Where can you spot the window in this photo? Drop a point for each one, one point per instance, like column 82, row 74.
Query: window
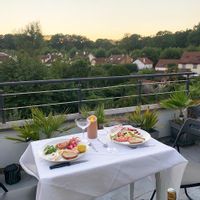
column 195, row 66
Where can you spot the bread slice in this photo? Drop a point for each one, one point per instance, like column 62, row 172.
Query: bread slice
column 136, row 140
column 68, row 155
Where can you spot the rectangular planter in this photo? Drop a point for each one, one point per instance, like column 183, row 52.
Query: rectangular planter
column 185, row 139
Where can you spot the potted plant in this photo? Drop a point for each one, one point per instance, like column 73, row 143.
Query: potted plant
column 178, row 101
column 98, row 112
column 39, row 127
column 145, row 120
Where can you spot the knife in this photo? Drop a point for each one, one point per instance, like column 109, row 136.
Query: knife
column 68, row 163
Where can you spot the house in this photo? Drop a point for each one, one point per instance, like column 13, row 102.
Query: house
column 119, row 59
column 190, row 61
column 49, row 58
column 163, row 64
column 143, row 63
column 113, row 59
column 98, row 61
column 4, row 57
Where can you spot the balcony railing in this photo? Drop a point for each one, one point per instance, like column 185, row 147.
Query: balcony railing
column 78, row 87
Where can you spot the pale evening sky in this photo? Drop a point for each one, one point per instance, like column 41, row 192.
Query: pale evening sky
column 100, row 18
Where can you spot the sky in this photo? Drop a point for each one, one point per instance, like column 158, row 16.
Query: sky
column 110, row 19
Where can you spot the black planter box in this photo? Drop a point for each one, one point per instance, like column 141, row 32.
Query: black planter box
column 185, row 139
column 154, row 133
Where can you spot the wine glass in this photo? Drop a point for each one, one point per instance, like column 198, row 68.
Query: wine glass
column 82, row 123
column 107, row 128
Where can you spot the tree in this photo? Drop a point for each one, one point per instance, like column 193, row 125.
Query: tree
column 30, row 39
column 171, row 53
column 8, row 41
column 194, row 36
column 24, row 68
column 181, row 38
column 129, row 43
column 164, row 39
column 172, row 68
column 132, row 68
column 115, row 51
column 118, row 70
column 56, row 41
column 78, row 68
column 104, row 44
column 100, row 53
column 151, row 53
column 72, row 52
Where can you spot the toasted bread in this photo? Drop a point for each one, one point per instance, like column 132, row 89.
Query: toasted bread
column 69, row 155
column 136, row 140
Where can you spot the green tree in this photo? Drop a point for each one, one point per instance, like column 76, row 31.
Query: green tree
column 171, row 53
column 24, row 68
column 115, row 51
column 129, row 43
column 104, row 44
column 164, row 39
column 30, row 39
column 78, row 68
column 100, row 53
column 194, row 36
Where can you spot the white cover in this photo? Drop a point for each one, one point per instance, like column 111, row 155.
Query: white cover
column 104, row 171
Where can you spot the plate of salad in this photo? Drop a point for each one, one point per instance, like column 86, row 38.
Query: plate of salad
column 63, row 150
column 129, row 136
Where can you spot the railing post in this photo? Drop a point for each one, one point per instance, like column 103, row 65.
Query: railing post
column 79, row 96
column 188, row 84
column 139, row 92
column 2, row 112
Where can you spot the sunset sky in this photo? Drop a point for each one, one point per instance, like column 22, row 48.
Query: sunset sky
column 100, row 18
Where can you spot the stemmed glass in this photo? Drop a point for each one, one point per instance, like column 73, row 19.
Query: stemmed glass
column 82, row 123
column 107, row 127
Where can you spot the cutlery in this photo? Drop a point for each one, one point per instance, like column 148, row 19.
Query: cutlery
column 67, row 163
column 91, row 145
column 104, row 144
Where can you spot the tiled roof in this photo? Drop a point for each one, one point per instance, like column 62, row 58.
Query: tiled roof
column 99, row 61
column 190, row 58
column 162, row 63
column 145, row 60
column 4, row 56
column 119, row 59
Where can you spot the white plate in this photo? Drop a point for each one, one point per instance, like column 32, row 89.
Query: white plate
column 50, row 157
column 143, row 133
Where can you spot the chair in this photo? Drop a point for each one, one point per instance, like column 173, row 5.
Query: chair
column 3, row 187
column 191, row 177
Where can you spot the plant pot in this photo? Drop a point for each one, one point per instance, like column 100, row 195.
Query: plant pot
column 185, row 139
column 154, row 133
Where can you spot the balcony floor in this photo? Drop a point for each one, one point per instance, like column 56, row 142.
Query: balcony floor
column 145, row 187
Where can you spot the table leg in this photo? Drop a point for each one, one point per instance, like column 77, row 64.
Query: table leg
column 169, row 178
column 131, row 191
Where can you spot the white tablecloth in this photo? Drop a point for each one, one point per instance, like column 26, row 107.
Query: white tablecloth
column 104, row 171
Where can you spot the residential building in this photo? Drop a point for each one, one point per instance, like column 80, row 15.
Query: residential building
column 113, row 59
column 49, row 58
column 163, row 64
column 119, row 59
column 190, row 61
column 98, row 61
column 4, row 57
column 143, row 63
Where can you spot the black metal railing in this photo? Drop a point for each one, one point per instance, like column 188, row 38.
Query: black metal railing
column 79, row 86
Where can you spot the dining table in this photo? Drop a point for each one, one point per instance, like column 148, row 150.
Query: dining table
column 104, row 168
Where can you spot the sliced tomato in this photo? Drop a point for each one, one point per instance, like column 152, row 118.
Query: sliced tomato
column 62, row 145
